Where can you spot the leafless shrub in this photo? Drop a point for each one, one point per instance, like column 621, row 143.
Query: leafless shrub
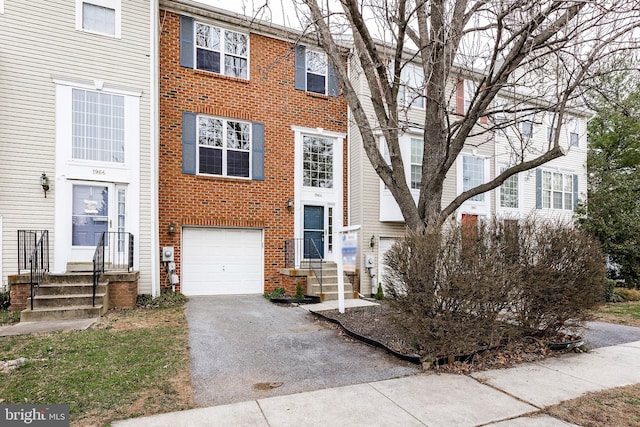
column 479, row 285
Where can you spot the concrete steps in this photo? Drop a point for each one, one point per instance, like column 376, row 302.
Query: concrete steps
column 329, row 283
column 67, row 296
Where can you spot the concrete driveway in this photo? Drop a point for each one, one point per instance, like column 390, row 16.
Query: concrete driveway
column 246, row 348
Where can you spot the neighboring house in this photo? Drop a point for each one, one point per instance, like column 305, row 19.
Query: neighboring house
column 76, row 105
column 252, row 149
column 550, row 191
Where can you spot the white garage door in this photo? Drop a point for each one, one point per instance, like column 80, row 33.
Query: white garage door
column 217, row 261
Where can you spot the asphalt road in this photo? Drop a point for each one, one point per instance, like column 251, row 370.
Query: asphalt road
column 600, row 334
column 244, row 348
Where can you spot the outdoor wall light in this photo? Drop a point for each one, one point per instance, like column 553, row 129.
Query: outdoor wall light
column 172, row 229
column 289, row 204
column 372, row 242
column 44, row 182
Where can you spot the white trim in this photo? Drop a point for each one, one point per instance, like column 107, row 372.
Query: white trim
column 472, row 207
column 326, row 71
column 1, row 12
column 96, row 85
column 70, row 171
column 154, row 153
column 222, row 49
column 225, row 149
column 389, row 210
column 325, row 197
column 509, row 212
column 110, row 4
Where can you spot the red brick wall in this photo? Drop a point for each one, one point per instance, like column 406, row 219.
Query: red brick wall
column 123, row 294
column 268, row 97
column 19, row 293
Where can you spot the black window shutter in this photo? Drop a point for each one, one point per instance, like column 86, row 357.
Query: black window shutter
column 301, row 67
column 257, row 151
column 189, row 143
column 186, row 41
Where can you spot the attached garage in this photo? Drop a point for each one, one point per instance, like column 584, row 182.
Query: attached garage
column 221, row 261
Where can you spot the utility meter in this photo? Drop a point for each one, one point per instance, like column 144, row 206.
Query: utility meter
column 167, row 254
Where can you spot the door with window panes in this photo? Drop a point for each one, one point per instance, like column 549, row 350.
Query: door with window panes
column 97, row 208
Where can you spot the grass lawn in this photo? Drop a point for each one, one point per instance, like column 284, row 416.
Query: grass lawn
column 130, row 363
column 622, row 313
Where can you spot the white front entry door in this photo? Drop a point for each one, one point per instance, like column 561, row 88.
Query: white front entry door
column 96, row 208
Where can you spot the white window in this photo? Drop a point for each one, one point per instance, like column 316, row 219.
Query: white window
column 97, row 126
column 222, row 51
column 317, row 162
column 417, row 148
column 574, row 135
column 99, row 16
column 470, row 88
column 472, row 175
column 316, row 71
column 526, row 129
column 411, row 91
column 509, row 191
column 224, row 147
column 557, row 190
column 501, row 107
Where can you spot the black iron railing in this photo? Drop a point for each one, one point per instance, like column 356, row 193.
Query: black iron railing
column 98, row 264
column 33, row 253
column 304, row 253
column 114, row 252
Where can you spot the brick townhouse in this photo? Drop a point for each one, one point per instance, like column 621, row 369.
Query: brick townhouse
column 252, row 149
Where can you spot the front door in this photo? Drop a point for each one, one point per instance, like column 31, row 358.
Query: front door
column 96, row 208
column 313, row 232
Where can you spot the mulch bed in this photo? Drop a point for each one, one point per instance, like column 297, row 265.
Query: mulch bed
column 375, row 323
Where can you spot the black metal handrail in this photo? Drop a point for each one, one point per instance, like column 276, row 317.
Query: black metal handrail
column 38, row 259
column 27, row 241
column 301, row 253
column 98, row 264
column 114, row 252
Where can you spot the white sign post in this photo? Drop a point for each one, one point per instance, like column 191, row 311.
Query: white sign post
column 348, row 251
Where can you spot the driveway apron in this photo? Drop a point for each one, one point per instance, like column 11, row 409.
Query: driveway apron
column 245, row 348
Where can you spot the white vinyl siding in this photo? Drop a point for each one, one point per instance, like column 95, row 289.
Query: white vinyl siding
column 28, row 102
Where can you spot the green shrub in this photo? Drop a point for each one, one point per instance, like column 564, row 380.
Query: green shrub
column 299, row 292
column 5, row 300
column 276, row 293
column 471, row 286
column 609, row 293
column 379, row 293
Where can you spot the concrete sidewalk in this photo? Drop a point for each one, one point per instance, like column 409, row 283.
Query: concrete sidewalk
column 505, row 397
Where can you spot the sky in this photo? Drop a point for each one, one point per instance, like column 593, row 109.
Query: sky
column 278, row 11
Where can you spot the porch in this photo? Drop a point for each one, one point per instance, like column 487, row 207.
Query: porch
column 85, row 290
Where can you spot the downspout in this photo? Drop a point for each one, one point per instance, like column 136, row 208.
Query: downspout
column 154, row 71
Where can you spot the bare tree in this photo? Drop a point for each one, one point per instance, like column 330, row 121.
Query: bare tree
column 526, row 58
